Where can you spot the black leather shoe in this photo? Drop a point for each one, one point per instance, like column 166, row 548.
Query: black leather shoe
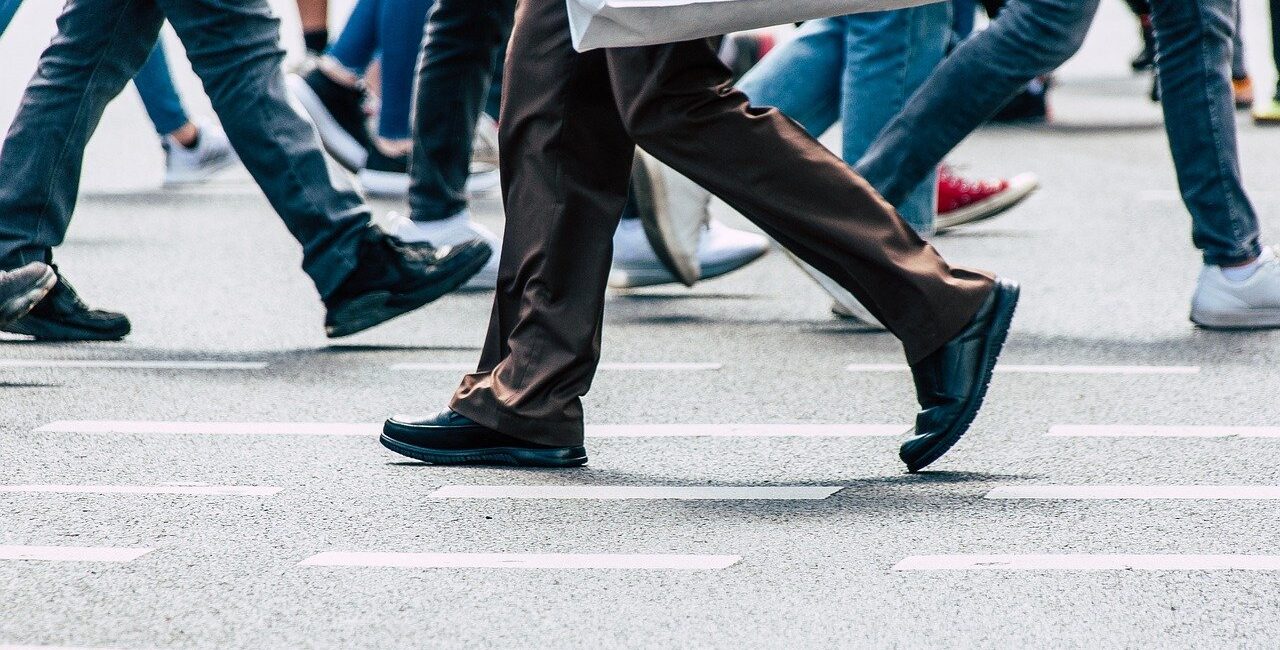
column 62, row 316
column 21, row 289
column 951, row 382
column 448, row 438
column 393, row 278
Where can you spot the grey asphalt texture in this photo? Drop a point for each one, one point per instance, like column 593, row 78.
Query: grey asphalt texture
column 1104, row 256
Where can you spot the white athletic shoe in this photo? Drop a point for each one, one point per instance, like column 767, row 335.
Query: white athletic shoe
column 1254, row 303
column 447, row 232
column 212, row 154
column 721, row 250
column 484, row 158
column 675, row 212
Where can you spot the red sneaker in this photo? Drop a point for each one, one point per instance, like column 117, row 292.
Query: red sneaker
column 962, row 201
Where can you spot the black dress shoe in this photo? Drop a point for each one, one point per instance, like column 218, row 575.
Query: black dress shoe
column 392, row 278
column 62, row 316
column 951, row 382
column 448, row 438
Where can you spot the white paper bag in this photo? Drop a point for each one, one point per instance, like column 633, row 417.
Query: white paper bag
column 629, row 23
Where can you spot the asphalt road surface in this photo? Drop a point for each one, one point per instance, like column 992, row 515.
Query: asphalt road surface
column 214, row 481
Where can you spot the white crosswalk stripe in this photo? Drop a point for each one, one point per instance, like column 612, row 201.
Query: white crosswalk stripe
column 1150, row 431
column 374, row 429
column 197, row 490
column 522, row 561
column 132, row 364
column 1131, row 492
column 632, row 492
column 1045, row 369
column 1082, row 562
column 635, row 366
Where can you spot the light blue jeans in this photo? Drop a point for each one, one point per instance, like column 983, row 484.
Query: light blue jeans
column 1033, row 37
column 858, row 70
column 154, row 83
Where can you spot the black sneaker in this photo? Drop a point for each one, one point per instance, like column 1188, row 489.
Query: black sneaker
column 338, row 113
column 392, row 278
column 62, row 316
column 1031, row 106
column 385, row 176
column 21, row 289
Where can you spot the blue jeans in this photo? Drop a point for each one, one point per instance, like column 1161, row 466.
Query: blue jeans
column 159, row 97
column 1033, row 37
column 234, row 47
column 392, row 28
column 858, row 70
column 153, row 81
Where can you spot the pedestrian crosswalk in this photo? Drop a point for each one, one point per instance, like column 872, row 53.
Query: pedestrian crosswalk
column 611, row 492
column 657, row 366
column 1136, row 492
column 522, row 560
column 1042, row 369
column 1161, row 431
column 603, row 559
column 195, row 490
column 149, row 427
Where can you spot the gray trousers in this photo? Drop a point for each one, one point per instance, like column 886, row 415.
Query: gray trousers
column 234, row 48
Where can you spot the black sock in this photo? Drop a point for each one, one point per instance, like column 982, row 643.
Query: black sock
column 317, row 40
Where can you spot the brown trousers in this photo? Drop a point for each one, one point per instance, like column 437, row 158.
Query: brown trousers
column 570, row 124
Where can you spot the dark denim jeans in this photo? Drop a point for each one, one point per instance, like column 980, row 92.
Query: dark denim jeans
column 234, row 48
column 1033, row 37
column 154, row 83
column 463, row 44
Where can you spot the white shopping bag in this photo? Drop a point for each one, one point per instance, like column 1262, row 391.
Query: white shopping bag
column 629, row 23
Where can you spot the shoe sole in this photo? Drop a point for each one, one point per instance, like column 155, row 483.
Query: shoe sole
column 1254, row 319
column 376, row 308
column 199, row 176
column 344, row 148
column 658, row 226
column 510, row 456
column 991, row 207
column 659, row 275
column 1007, row 304
column 839, row 295
column 18, row 306
column 384, row 185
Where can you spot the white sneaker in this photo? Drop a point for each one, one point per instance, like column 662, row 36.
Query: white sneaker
column 484, row 158
column 675, row 212
column 721, row 250
column 212, row 154
column 447, row 232
column 844, row 304
column 1254, row 303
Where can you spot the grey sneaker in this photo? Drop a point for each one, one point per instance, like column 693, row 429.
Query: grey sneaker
column 22, row 288
column 1254, row 303
column 212, row 154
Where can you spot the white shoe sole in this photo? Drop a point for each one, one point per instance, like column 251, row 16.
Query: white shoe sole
column 1020, row 187
column 1248, row 319
column 384, row 185
column 657, row 274
column 845, row 300
column 196, row 176
column 344, row 148
column 653, row 200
